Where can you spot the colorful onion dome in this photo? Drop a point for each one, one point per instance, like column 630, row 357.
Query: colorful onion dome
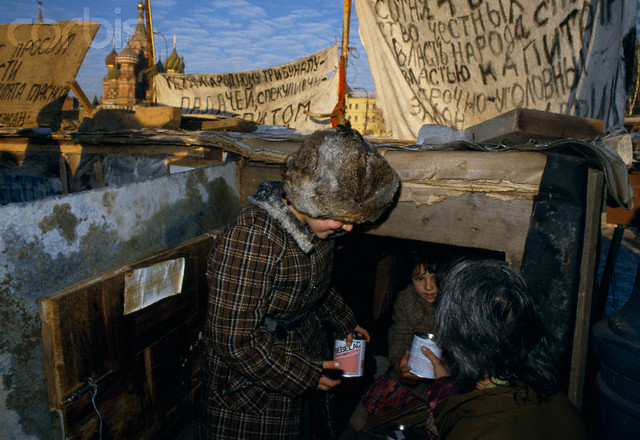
column 110, row 60
column 127, row 56
column 172, row 63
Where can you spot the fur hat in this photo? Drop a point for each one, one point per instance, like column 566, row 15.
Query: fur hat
column 337, row 175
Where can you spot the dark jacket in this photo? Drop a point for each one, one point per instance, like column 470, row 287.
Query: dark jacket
column 266, row 264
column 493, row 413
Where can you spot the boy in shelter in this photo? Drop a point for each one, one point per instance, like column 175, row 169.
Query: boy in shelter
column 413, row 312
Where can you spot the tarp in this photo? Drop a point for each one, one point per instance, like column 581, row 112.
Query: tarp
column 282, row 95
column 38, row 64
column 461, row 62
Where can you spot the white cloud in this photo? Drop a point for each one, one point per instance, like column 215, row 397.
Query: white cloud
column 162, row 4
column 239, row 9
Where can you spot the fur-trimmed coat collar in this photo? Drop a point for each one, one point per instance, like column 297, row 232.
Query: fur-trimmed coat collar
column 269, row 196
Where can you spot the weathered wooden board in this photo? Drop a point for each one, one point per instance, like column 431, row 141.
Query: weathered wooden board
column 472, row 220
column 38, row 64
column 523, row 125
column 252, row 174
column 213, row 123
column 585, row 294
column 145, row 364
column 465, row 198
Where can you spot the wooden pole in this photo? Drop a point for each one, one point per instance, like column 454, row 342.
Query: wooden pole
column 82, row 97
column 338, row 112
column 593, row 208
column 151, row 47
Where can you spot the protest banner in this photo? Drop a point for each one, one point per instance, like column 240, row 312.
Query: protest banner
column 38, row 64
column 461, row 62
column 288, row 95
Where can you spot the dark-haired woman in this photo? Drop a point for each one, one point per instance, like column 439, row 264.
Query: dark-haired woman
column 499, row 381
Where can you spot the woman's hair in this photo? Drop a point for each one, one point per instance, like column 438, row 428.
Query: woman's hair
column 488, row 325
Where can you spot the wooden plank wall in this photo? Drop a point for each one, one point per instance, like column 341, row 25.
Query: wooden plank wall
column 472, row 220
column 145, row 365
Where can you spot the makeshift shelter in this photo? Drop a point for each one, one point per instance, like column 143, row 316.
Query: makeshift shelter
column 73, row 262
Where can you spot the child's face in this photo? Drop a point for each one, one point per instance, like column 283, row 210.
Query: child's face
column 425, row 283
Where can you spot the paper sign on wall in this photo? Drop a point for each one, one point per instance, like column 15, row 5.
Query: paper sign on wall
column 146, row 286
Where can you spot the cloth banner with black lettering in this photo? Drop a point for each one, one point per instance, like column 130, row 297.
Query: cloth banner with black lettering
column 38, row 64
column 461, row 62
column 297, row 95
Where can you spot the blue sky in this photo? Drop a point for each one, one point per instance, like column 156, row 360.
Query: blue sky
column 214, row 36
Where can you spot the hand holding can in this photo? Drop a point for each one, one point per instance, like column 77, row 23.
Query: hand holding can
column 351, row 357
column 420, row 365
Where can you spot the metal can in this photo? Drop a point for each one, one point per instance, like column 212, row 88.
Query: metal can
column 400, row 432
column 351, row 357
column 421, row 365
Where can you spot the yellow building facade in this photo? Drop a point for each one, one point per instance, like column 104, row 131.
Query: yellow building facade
column 364, row 115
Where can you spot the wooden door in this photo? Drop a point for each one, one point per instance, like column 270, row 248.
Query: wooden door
column 141, row 369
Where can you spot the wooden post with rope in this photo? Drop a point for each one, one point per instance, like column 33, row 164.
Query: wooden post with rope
column 337, row 116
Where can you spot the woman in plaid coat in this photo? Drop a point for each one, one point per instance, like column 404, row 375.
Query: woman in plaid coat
column 270, row 297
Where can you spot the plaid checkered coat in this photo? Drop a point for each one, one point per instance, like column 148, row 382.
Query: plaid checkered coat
column 266, row 264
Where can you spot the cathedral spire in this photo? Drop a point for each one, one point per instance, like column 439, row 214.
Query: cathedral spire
column 140, row 33
column 39, row 19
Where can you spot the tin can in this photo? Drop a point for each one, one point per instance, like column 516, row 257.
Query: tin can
column 400, row 432
column 351, row 357
column 421, row 365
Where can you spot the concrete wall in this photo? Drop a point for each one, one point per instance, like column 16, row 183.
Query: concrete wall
column 56, row 242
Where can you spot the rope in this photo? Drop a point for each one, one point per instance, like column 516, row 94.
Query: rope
column 93, row 391
column 63, row 436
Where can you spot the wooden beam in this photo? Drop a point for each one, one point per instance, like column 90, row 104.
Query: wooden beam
column 382, row 284
column 82, row 97
column 339, row 110
column 472, row 220
column 151, row 46
column 595, row 184
column 100, row 145
column 98, row 172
